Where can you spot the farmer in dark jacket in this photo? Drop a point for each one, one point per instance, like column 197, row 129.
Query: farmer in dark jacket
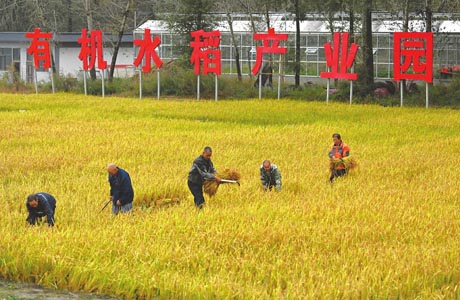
column 40, row 205
column 121, row 189
column 202, row 168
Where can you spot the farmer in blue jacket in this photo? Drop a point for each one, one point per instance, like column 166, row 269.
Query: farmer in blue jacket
column 40, row 205
column 121, row 189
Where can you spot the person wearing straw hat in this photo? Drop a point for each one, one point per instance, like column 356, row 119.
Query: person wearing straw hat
column 121, row 189
column 202, row 168
column 40, row 205
column 270, row 176
column 339, row 151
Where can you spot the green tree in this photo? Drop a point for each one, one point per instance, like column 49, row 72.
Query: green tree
column 112, row 18
column 366, row 76
column 299, row 9
column 188, row 16
column 228, row 7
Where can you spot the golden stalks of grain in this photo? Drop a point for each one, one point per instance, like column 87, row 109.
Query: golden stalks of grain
column 210, row 186
column 388, row 232
column 349, row 162
column 157, row 201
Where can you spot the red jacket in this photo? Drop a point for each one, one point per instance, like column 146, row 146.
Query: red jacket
column 339, row 151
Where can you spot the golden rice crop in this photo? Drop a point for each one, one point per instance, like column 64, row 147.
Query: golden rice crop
column 210, row 186
column 389, row 231
column 348, row 162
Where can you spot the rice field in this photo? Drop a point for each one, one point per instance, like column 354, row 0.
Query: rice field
column 389, row 230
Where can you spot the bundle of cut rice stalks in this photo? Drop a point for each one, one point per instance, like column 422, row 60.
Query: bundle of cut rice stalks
column 210, row 186
column 349, row 162
column 153, row 200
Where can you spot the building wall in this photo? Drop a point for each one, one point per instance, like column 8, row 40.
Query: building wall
column 66, row 61
column 71, row 65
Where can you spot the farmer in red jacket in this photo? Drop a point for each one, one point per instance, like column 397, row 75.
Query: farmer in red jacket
column 338, row 152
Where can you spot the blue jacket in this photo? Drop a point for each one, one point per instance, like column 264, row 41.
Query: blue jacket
column 121, row 187
column 202, row 169
column 46, row 207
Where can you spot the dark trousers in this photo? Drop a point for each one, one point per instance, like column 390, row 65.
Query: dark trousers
column 337, row 173
column 197, row 192
column 270, row 186
column 37, row 217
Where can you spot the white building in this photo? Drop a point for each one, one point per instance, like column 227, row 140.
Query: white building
column 314, row 33
column 65, row 50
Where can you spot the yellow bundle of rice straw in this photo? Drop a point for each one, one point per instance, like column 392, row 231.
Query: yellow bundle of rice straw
column 349, row 162
column 210, row 186
column 152, row 200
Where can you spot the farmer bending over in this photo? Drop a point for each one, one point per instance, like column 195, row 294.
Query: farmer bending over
column 270, row 176
column 121, row 189
column 202, row 168
column 338, row 152
column 40, row 205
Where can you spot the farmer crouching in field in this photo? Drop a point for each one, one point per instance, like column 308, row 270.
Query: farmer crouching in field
column 40, row 205
column 121, row 189
column 339, row 151
column 202, row 168
column 270, row 176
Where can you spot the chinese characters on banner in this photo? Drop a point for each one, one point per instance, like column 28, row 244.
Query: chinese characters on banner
column 270, row 42
column 340, row 56
column 413, row 56
column 147, row 50
column 40, row 48
column 413, row 52
column 206, row 49
column 91, row 48
column 339, row 59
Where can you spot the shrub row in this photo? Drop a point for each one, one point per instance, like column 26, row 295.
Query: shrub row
column 178, row 80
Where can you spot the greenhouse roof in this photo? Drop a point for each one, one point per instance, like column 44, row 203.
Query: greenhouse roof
column 317, row 26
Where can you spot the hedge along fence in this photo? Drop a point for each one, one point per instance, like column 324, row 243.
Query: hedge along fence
column 178, row 80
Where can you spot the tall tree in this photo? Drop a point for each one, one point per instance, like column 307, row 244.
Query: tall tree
column 298, row 17
column 120, row 30
column 89, row 23
column 367, row 76
column 188, row 16
column 429, row 15
column 300, row 10
column 114, row 18
column 350, row 8
column 227, row 7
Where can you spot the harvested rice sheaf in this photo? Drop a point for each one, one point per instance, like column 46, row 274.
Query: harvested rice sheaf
column 210, row 186
column 349, row 162
column 152, row 200
column 230, row 174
